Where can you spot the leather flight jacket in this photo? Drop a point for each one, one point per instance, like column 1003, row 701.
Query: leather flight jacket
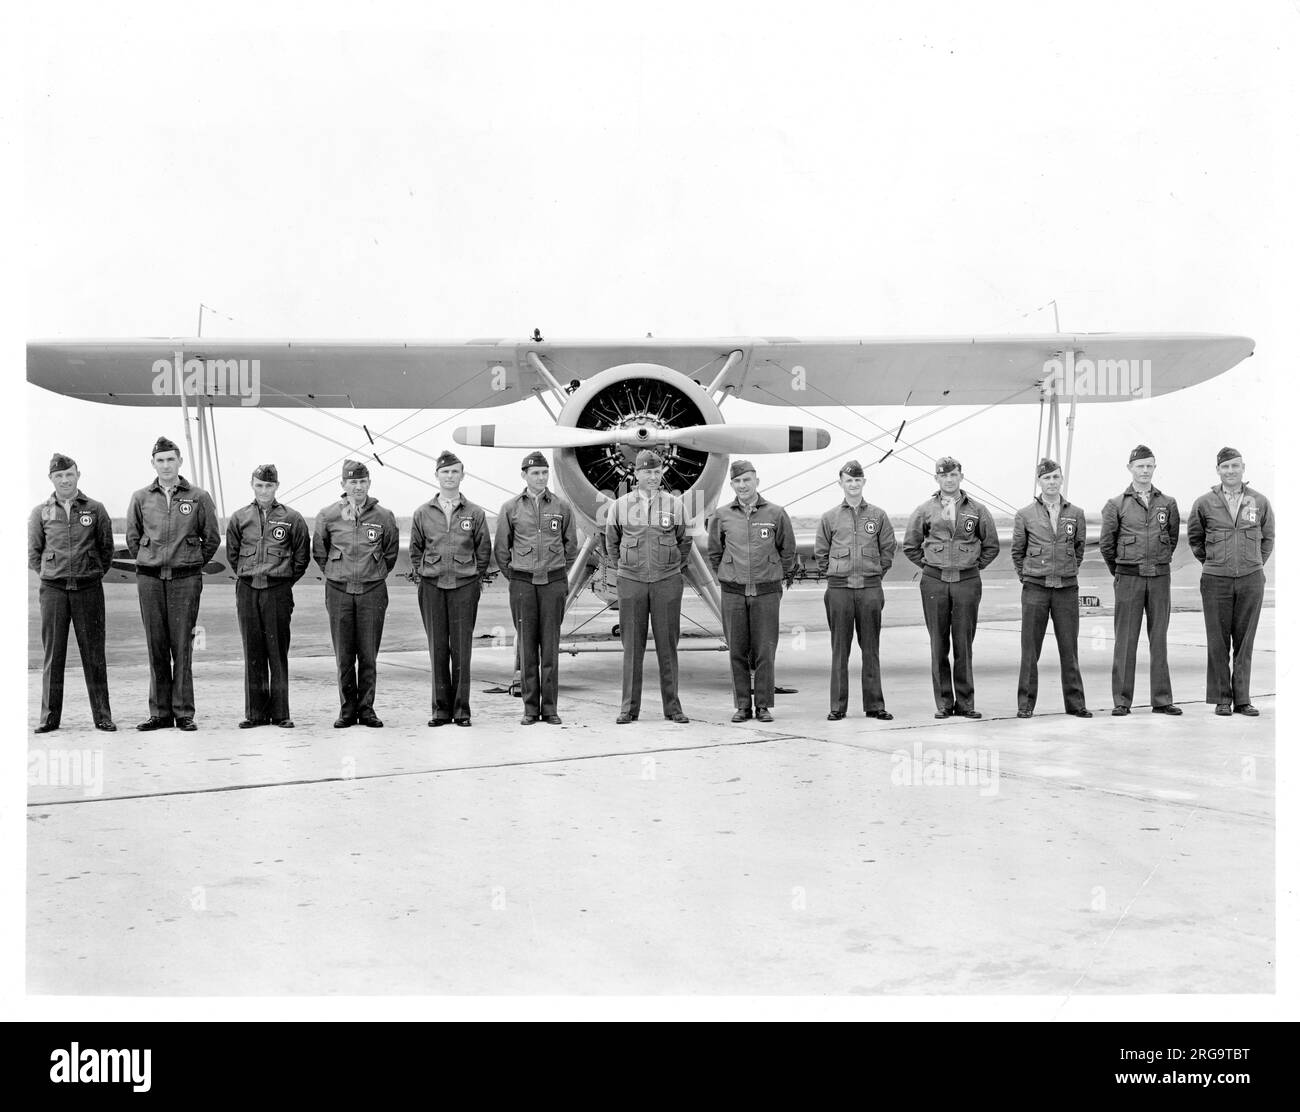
column 536, row 540
column 1231, row 546
column 355, row 548
column 171, row 538
column 854, row 547
column 70, row 550
column 450, row 553
column 1048, row 557
column 951, row 552
column 648, row 535
column 751, row 551
column 264, row 551
column 1138, row 539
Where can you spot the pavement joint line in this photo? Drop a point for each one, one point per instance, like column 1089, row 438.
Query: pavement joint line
column 407, row 772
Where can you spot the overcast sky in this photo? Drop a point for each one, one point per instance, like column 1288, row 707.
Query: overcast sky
column 714, row 170
column 691, row 170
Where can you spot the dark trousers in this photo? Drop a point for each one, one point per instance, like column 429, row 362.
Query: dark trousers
column 263, row 615
column 449, row 614
column 84, row 609
column 1231, row 608
column 1136, row 595
column 538, row 612
column 356, row 629
column 850, row 611
column 169, row 608
column 751, row 625
column 951, row 614
column 656, row 606
column 1037, row 603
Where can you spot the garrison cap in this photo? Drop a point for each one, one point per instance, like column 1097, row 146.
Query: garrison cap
column 1047, row 466
column 648, row 457
column 60, row 462
column 162, row 444
column 944, row 464
column 533, row 459
column 1141, row 452
column 446, row 459
column 266, row 473
column 853, row 469
column 355, row 469
column 1226, row 454
column 739, row 467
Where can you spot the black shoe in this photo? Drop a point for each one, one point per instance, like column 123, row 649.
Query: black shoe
column 436, row 722
column 1247, row 709
column 743, row 714
column 283, row 723
column 763, row 714
column 50, row 727
column 1224, row 709
column 1082, row 712
column 186, row 724
column 943, row 714
column 624, row 719
column 106, row 724
column 679, row 718
column 253, row 723
column 1168, row 708
column 551, row 719
column 883, row 715
column 156, row 722
column 527, row 720
column 968, row 714
column 835, row 716
column 343, row 722
column 461, row 721
column 371, row 720
column 1119, row 712
column 1024, row 714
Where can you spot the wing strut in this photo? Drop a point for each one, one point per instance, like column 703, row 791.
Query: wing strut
column 1050, row 392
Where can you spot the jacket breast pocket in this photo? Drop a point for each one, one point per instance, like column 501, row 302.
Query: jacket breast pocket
column 665, row 552
column 628, row 548
column 1250, row 546
column 841, row 562
column 1216, row 546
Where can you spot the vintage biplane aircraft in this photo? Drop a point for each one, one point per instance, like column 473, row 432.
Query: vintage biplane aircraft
column 606, row 399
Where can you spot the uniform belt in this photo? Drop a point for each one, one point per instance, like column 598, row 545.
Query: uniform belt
column 177, row 573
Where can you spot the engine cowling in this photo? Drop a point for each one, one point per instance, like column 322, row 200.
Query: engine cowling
column 643, row 399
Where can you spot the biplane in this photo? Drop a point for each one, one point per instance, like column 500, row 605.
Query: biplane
column 604, row 400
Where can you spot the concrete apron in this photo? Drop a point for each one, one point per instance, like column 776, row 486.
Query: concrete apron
column 1048, row 856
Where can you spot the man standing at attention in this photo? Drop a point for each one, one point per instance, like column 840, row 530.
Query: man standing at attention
column 645, row 530
column 269, row 548
column 70, row 546
column 951, row 538
column 450, row 549
column 1231, row 533
column 753, row 552
column 536, row 545
column 171, row 532
column 854, row 549
column 1047, row 546
column 1139, row 532
column 355, row 545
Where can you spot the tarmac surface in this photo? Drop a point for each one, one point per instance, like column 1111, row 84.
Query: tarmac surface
column 1001, row 856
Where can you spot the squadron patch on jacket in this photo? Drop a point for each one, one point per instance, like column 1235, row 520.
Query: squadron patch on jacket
column 1162, row 517
column 279, row 533
column 970, row 525
column 665, row 521
column 764, row 533
column 871, row 526
column 1069, row 528
column 86, row 520
column 186, row 508
column 466, row 525
column 372, row 532
column 555, row 525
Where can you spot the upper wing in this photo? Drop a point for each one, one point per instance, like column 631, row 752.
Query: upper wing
column 379, row 374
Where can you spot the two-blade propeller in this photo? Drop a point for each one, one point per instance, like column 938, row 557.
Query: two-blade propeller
column 748, row 439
